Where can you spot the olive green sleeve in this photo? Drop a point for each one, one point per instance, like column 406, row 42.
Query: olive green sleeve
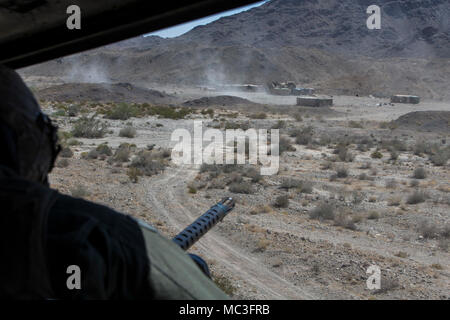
column 173, row 274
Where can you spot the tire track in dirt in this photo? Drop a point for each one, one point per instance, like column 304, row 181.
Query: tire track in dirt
column 167, row 196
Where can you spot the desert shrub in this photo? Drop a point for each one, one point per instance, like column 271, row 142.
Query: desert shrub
column 306, row 187
column 342, row 172
column 260, row 209
column 376, row 155
column 134, row 174
column 89, row 127
column 416, row 197
column 357, row 197
column 261, row 115
column 73, row 110
column 333, row 177
column 59, row 113
column 66, row 153
column 122, row 153
column 428, row 230
column 322, row 212
column 285, row 144
column 148, row 163
column 93, row 154
column 394, row 201
column 73, row 142
column 243, row 187
column 391, row 183
column 343, row 220
column 327, row 165
column 419, row 173
column 290, row 183
column 104, row 149
column 217, row 184
column 445, row 233
column 192, row 189
column 281, row 201
column 62, row 163
column 79, row 191
column 343, row 153
column 224, row 284
column 373, row 215
column 363, row 176
column 122, row 111
column 394, row 145
column 440, row 158
column 169, row 112
column 281, row 124
column 298, row 116
column 235, row 177
column 355, row 124
column 444, row 244
column 231, row 125
column 128, row 132
column 414, row 183
column 303, row 136
column 208, row 112
column 253, row 174
column 393, row 155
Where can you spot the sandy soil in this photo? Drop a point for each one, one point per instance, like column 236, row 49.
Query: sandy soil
column 283, row 253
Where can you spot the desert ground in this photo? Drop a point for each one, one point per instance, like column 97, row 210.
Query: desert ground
column 356, row 187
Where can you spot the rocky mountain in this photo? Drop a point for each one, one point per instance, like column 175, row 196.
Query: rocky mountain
column 321, row 43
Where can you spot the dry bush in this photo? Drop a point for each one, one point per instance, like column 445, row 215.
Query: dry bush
column 128, row 132
column 391, row 184
column 303, row 136
column 342, row 220
column 103, row 149
column 281, row 201
column 376, row 155
column 66, row 153
column 394, row 201
column 428, row 230
column 122, row 111
column 262, row 245
column 285, row 144
column 417, row 197
column 414, row 183
column 261, row 115
column 441, row 157
column 149, row 163
column 243, row 187
column 343, row 153
column 373, row 215
column 225, row 284
column 357, row 197
column 342, row 172
column 322, row 212
column 260, row 209
column 134, row 174
column 86, row 127
column 419, row 173
column 62, row 163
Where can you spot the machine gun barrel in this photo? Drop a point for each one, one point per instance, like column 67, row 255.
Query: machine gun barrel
column 186, row 238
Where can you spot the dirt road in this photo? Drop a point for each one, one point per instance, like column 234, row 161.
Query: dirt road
column 168, row 199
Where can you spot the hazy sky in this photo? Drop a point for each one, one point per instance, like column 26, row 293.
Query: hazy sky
column 185, row 27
